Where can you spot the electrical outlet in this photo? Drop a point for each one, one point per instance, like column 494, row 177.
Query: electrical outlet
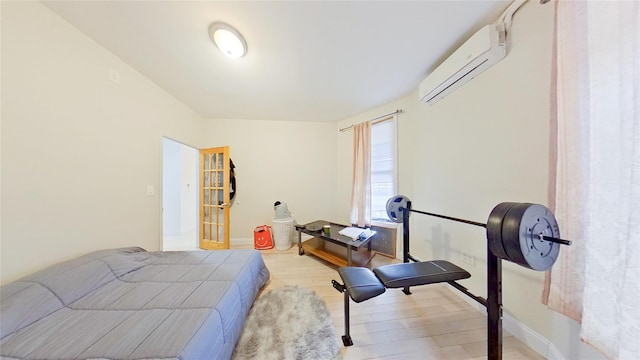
column 114, row 76
column 468, row 259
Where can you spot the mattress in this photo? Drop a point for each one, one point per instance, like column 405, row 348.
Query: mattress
column 132, row 304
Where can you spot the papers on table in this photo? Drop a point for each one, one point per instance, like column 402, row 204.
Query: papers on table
column 355, row 233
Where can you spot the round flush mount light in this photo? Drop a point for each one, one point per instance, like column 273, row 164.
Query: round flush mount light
column 228, row 40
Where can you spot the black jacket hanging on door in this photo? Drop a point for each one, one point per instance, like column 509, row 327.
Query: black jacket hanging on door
column 232, row 188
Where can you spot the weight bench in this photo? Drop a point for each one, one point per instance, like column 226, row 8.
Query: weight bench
column 361, row 283
column 536, row 248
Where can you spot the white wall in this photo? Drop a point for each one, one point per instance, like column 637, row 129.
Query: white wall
column 291, row 162
column 486, row 143
column 78, row 150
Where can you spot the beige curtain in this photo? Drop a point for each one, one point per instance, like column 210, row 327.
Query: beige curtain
column 361, row 187
column 565, row 286
column 597, row 186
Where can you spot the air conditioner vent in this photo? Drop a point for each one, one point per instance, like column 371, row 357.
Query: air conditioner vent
column 481, row 51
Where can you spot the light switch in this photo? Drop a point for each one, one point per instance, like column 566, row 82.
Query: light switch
column 151, row 190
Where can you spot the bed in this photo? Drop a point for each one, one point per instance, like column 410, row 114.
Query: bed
column 132, row 304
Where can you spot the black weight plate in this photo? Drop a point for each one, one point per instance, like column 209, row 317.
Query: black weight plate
column 494, row 229
column 521, row 228
column 542, row 254
column 511, row 233
column 396, row 206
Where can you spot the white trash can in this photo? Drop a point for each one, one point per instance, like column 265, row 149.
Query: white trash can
column 282, row 233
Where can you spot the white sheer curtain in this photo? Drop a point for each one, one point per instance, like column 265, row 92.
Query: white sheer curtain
column 361, row 187
column 597, row 280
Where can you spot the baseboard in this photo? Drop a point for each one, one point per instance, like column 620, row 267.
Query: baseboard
column 249, row 241
column 241, row 241
column 554, row 353
column 532, row 339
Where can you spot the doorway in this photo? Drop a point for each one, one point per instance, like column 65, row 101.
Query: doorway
column 180, row 194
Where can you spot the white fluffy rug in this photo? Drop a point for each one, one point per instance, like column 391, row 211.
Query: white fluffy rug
column 288, row 323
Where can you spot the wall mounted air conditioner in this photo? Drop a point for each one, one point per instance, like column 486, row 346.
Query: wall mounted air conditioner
column 485, row 48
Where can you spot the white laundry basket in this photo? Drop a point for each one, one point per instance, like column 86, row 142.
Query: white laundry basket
column 282, row 233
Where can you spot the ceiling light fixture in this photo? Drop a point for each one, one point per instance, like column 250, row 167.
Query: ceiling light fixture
column 228, row 40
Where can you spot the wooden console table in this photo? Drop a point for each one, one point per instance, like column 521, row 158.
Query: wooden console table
column 324, row 246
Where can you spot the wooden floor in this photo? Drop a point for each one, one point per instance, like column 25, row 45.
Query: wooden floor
column 432, row 323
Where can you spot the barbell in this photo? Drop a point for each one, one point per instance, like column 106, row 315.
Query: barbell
column 524, row 233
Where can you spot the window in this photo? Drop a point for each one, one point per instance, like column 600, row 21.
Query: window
column 383, row 167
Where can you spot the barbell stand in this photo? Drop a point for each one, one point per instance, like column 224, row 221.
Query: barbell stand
column 493, row 303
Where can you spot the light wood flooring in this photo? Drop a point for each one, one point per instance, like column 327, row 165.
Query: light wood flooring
column 432, row 323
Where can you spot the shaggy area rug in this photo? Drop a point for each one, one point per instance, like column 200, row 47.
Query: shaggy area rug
column 290, row 322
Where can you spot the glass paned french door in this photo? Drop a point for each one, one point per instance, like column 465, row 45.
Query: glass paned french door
column 214, row 198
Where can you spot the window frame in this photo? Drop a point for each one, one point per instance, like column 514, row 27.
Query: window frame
column 394, row 119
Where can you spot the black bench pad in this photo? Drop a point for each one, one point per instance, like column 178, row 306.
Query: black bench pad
column 360, row 283
column 419, row 273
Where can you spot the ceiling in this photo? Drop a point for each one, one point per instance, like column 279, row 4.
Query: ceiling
column 306, row 61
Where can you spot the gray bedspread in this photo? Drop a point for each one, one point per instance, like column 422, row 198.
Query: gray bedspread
column 132, row 304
